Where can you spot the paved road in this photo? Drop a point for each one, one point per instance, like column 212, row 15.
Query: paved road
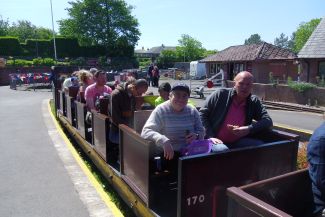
column 34, row 180
column 301, row 120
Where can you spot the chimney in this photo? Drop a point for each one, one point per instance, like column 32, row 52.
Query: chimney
column 142, row 48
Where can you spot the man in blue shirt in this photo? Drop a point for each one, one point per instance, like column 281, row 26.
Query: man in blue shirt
column 316, row 159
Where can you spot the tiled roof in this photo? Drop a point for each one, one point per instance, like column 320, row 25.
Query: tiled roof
column 261, row 51
column 315, row 46
column 155, row 50
column 161, row 48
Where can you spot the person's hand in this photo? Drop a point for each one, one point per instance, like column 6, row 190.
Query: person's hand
column 168, row 151
column 216, row 140
column 190, row 138
column 240, row 131
column 231, row 127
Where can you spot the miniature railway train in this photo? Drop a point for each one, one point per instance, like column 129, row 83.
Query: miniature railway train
column 188, row 186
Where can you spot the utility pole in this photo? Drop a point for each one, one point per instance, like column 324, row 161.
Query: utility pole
column 54, row 45
column 36, row 43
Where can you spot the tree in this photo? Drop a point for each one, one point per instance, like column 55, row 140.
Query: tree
column 209, row 52
column 189, row 49
column 291, row 42
column 282, row 41
column 43, row 33
column 100, row 22
column 23, row 30
column 4, row 25
column 253, row 39
column 167, row 58
column 303, row 32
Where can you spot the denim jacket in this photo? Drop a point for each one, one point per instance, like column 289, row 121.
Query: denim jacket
column 316, row 159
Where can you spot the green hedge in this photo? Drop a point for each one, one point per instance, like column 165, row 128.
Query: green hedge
column 121, row 53
column 42, row 47
column 9, row 46
column 92, row 51
column 66, row 47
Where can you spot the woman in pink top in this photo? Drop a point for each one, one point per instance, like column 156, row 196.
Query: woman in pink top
column 97, row 89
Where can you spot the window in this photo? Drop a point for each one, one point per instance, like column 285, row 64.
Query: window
column 321, row 70
column 238, row 67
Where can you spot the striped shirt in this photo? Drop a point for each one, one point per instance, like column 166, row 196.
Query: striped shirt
column 164, row 124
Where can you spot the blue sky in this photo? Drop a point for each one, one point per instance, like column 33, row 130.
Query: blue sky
column 217, row 24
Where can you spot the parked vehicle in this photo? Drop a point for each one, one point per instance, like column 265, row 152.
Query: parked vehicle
column 197, row 70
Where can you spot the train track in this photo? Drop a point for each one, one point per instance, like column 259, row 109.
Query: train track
column 290, row 107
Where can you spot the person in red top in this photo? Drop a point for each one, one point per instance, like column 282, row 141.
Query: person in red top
column 97, row 89
column 155, row 76
column 228, row 115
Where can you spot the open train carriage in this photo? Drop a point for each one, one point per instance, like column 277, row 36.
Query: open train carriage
column 199, row 189
column 286, row 195
column 82, row 126
column 71, row 106
column 62, row 103
column 203, row 180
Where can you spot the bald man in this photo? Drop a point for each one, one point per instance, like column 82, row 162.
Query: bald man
column 228, row 115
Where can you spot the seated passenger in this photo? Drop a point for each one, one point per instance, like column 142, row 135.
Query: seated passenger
column 173, row 124
column 316, row 160
column 86, row 79
column 70, row 82
column 124, row 104
column 227, row 115
column 94, row 91
column 164, row 90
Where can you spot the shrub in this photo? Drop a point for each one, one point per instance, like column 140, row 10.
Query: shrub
column 301, row 87
column 48, row 62
column 37, row 61
column 144, row 62
column 80, row 61
column 19, row 62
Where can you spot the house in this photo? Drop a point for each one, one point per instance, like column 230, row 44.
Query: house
column 260, row 59
column 153, row 52
column 312, row 55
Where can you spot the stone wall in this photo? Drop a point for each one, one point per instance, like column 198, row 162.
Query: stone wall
column 283, row 93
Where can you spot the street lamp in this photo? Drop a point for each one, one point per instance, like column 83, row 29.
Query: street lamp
column 55, row 57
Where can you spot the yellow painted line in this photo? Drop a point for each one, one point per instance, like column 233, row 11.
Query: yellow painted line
column 293, row 129
column 108, row 201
